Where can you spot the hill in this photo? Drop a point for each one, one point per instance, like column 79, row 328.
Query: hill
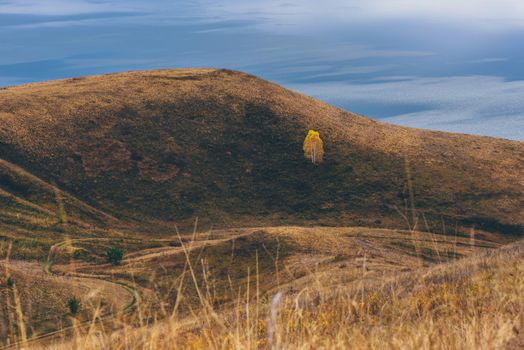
column 170, row 145
column 114, row 161
column 370, row 292
column 181, row 277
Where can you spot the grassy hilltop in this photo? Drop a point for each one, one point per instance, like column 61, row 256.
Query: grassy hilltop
column 227, row 147
column 401, row 238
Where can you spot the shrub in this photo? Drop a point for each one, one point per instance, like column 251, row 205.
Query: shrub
column 9, row 281
column 74, row 305
column 114, row 255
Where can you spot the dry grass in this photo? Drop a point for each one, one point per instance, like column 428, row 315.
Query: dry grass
column 227, row 146
column 473, row 303
column 36, row 302
column 113, row 160
column 327, row 288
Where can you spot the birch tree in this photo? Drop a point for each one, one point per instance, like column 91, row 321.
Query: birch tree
column 313, row 147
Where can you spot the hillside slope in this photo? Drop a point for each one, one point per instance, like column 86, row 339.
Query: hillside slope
column 227, row 147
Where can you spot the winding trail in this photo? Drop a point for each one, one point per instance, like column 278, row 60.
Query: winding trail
column 135, row 297
column 134, row 293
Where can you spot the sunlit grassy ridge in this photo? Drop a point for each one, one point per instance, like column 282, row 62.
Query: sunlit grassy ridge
column 206, row 284
column 473, row 303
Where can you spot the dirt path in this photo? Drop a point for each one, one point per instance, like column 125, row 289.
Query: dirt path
column 122, row 296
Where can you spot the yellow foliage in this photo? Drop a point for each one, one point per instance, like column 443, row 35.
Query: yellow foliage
column 313, row 147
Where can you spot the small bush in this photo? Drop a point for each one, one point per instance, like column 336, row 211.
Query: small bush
column 114, row 255
column 74, row 305
column 9, row 281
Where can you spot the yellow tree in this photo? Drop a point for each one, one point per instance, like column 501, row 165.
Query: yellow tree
column 313, row 147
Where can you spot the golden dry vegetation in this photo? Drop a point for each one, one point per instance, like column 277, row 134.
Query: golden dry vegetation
column 400, row 238
column 470, row 303
column 227, row 147
column 204, row 289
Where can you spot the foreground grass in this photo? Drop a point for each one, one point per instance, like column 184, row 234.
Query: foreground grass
column 473, row 303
